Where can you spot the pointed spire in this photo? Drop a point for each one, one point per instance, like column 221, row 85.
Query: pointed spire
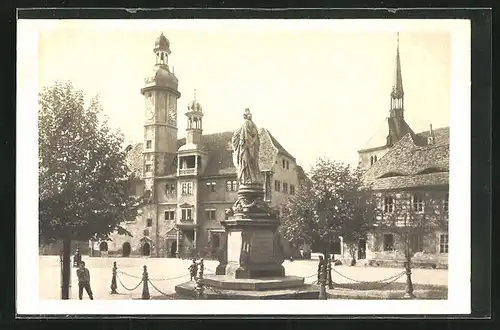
column 397, row 87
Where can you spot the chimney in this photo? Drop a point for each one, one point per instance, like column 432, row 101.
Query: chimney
column 430, row 138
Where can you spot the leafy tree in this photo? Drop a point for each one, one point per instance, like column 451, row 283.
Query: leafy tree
column 330, row 203
column 84, row 180
column 410, row 220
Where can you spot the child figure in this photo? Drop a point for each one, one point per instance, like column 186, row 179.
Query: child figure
column 83, row 281
column 193, row 269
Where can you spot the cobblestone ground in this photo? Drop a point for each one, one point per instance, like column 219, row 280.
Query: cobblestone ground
column 165, row 274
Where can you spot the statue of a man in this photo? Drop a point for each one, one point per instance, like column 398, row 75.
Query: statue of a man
column 246, row 145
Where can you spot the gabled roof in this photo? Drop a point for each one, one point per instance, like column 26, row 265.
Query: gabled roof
column 220, row 154
column 392, row 129
column 409, row 160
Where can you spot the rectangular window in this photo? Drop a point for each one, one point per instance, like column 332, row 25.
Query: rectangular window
column 285, row 187
column 211, row 186
column 210, row 214
column 388, row 204
column 277, row 185
column 170, row 189
column 187, row 188
column 148, row 157
column 445, row 205
column 287, row 165
column 186, row 214
column 149, row 222
column 292, row 189
column 418, row 203
column 169, row 215
column 148, row 144
column 443, row 243
column 148, row 168
column 232, row 185
column 284, row 163
column 388, row 242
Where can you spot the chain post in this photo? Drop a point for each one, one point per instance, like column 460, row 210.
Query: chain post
column 145, row 280
column 200, row 289
column 329, row 272
column 113, row 279
column 322, row 281
column 409, row 285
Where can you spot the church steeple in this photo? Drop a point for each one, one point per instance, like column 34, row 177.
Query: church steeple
column 397, row 93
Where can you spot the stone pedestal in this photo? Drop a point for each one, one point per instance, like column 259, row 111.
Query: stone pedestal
column 252, row 267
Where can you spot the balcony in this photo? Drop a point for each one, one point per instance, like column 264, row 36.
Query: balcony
column 187, row 171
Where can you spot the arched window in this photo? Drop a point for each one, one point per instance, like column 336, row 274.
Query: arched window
column 374, row 159
column 371, row 160
column 103, row 246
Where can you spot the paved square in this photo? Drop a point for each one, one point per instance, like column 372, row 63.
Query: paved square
column 165, row 274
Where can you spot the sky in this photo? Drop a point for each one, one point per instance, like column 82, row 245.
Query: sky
column 321, row 88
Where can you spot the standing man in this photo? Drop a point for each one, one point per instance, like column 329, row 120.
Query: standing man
column 320, row 263
column 83, row 281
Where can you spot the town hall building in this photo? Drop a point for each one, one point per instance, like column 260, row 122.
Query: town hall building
column 188, row 181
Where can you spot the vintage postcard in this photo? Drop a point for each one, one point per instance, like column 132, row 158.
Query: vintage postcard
column 318, row 166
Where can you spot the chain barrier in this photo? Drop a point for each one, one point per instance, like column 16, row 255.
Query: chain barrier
column 154, row 279
column 398, row 275
column 161, row 292
column 123, row 285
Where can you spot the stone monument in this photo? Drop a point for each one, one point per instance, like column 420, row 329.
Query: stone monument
column 252, row 266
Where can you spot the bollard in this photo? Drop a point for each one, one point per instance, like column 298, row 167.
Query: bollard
column 145, row 288
column 113, row 279
column 322, row 282
column 200, row 289
column 409, row 285
column 329, row 270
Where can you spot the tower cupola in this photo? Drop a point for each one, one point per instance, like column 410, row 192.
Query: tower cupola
column 162, row 50
column 194, row 127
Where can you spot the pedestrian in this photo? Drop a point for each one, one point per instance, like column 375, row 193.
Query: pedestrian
column 320, row 263
column 193, row 269
column 84, row 281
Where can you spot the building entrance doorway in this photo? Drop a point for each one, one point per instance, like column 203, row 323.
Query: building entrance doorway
column 103, row 247
column 126, row 249
column 173, row 249
column 146, row 249
column 362, row 248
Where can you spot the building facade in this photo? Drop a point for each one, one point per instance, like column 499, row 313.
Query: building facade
column 188, row 182
column 408, row 174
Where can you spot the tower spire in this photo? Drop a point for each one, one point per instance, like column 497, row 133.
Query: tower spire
column 397, row 93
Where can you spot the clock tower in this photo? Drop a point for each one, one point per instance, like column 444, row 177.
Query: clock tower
column 160, row 125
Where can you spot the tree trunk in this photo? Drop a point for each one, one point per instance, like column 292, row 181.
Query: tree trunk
column 66, row 269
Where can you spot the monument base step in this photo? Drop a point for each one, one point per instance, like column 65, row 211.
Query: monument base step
column 254, row 284
column 302, row 292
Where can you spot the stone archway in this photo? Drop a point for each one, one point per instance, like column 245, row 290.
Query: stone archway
column 126, row 249
column 146, row 249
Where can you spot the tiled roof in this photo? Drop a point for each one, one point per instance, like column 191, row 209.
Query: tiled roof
column 279, row 146
column 441, row 136
column 409, row 162
column 220, row 154
column 411, row 181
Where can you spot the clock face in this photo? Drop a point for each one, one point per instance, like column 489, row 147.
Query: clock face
column 150, row 113
column 172, row 115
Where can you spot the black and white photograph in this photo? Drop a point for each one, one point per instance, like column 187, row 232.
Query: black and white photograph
column 318, row 166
